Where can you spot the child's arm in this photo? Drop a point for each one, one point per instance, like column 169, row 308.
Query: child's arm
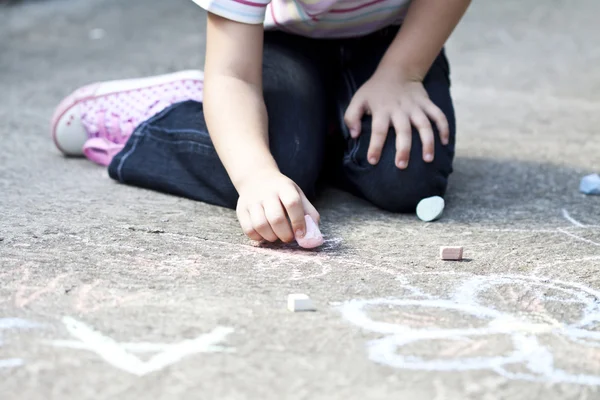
column 233, row 103
column 237, row 121
column 395, row 94
column 427, row 26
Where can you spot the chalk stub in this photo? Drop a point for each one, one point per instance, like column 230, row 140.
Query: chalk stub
column 590, row 184
column 313, row 237
column 300, row 302
column 430, row 208
column 449, row 253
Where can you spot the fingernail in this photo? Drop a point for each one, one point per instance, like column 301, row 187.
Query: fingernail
column 299, row 233
column 445, row 141
column 372, row 160
column 428, row 157
column 353, row 132
column 401, row 164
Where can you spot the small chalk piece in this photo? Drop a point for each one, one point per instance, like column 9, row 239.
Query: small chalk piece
column 300, row 302
column 313, row 237
column 451, row 253
column 430, row 208
column 590, row 184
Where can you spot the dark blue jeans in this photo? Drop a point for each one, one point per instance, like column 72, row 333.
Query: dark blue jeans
column 308, row 84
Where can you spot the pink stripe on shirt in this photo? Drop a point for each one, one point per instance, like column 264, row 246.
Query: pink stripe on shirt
column 313, row 18
column 360, row 7
column 250, row 3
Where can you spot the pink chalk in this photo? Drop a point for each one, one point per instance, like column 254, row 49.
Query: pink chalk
column 451, row 253
column 313, row 237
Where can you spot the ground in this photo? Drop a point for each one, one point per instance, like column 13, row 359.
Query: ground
column 113, row 292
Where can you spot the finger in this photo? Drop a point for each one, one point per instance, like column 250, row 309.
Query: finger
column 379, row 129
column 309, row 209
column 440, row 120
column 278, row 220
column 421, row 122
column 260, row 223
column 292, row 202
column 246, row 224
column 354, row 114
column 403, row 139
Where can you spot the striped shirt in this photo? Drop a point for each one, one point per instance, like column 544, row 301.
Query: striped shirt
column 313, row 18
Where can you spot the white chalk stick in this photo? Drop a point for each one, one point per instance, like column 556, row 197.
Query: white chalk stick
column 300, row 302
column 430, row 209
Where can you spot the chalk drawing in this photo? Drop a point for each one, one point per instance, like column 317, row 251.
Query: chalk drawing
column 270, row 259
column 16, row 323
column 120, row 356
column 531, row 355
column 86, row 297
column 278, row 261
column 563, row 231
column 83, row 294
column 10, row 324
column 26, row 294
column 566, row 215
column 570, row 234
column 89, row 300
column 11, row 363
column 137, row 347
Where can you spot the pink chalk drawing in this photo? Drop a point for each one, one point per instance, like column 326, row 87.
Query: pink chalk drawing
column 273, row 259
column 90, row 298
column 539, row 345
column 87, row 298
column 27, row 294
column 269, row 259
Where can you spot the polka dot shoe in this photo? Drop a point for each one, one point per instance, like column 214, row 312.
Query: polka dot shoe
column 96, row 120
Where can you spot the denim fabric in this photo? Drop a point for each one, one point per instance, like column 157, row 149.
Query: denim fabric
column 307, row 85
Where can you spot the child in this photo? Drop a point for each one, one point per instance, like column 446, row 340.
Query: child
column 356, row 89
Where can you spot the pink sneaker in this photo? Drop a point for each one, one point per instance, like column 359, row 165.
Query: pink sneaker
column 96, row 120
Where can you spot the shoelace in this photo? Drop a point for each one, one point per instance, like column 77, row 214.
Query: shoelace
column 109, row 138
column 112, row 133
column 112, row 128
column 101, row 151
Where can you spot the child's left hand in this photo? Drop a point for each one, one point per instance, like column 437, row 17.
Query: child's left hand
column 401, row 103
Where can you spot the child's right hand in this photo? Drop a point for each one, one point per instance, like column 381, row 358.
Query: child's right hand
column 267, row 199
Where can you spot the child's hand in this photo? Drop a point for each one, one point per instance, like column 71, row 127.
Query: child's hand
column 402, row 104
column 267, row 199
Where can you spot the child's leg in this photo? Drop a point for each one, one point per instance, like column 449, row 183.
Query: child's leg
column 384, row 184
column 172, row 151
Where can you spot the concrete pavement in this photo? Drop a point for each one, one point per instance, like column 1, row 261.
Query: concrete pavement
column 113, row 292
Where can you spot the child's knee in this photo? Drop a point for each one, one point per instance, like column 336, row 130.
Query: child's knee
column 303, row 167
column 397, row 190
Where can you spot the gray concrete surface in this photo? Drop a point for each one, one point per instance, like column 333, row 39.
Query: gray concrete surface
column 100, row 284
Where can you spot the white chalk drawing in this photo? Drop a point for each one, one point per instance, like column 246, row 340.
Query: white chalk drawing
column 576, row 226
column 531, row 335
column 572, row 220
column 577, row 237
column 120, row 356
column 11, row 363
column 11, row 324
